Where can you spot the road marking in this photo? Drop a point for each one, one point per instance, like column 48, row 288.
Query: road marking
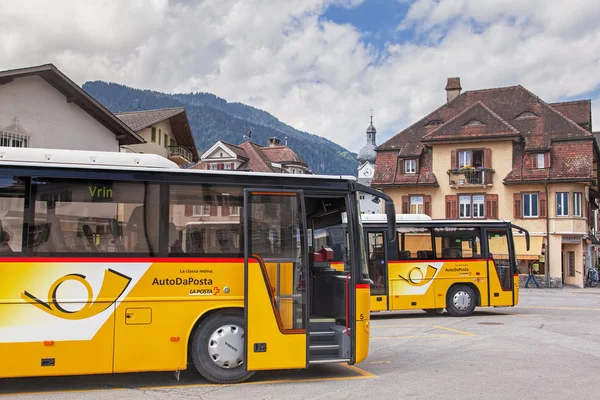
column 429, row 325
column 380, row 362
column 413, row 336
column 454, row 330
column 362, row 374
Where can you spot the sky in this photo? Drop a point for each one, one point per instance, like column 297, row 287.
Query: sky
column 318, row 65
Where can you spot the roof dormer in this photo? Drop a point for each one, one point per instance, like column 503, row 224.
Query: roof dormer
column 474, row 122
column 526, row 114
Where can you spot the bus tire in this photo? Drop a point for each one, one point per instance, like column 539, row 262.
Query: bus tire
column 461, row 301
column 218, row 348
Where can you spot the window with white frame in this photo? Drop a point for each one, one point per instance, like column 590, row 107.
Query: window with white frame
column 464, row 158
column 213, row 166
column 577, row 204
column 410, row 166
column 464, row 206
column 201, row 210
column 471, row 206
column 530, row 205
column 562, row 204
column 478, row 206
column 540, row 160
column 235, row 211
column 227, row 165
column 416, row 205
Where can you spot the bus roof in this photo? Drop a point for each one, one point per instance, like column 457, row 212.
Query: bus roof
column 60, row 158
column 422, row 218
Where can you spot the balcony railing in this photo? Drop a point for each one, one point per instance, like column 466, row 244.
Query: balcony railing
column 470, row 177
column 180, row 151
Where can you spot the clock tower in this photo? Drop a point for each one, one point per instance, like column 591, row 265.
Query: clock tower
column 366, row 170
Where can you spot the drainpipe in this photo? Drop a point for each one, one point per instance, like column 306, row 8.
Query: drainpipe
column 547, row 255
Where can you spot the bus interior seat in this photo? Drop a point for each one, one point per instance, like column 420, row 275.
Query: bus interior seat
column 113, row 226
column 88, row 237
column 4, row 240
column 425, row 254
column 404, row 255
column 451, row 253
column 174, row 242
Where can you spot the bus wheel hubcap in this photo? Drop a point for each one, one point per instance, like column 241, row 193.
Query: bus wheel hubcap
column 226, row 346
column 461, row 300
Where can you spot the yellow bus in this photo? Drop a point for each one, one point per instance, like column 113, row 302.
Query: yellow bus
column 433, row 265
column 121, row 262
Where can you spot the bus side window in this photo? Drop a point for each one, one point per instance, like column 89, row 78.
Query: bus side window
column 12, row 209
column 414, row 241
column 90, row 216
column 457, row 243
column 206, row 219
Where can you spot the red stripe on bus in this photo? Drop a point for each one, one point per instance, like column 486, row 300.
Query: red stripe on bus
column 363, row 286
column 120, row 260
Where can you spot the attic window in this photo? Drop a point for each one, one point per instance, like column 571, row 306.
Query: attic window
column 474, row 122
column 435, row 122
column 526, row 114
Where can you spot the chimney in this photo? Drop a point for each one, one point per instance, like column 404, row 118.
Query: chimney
column 452, row 88
column 273, row 141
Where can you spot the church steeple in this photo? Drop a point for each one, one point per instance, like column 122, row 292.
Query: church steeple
column 367, row 153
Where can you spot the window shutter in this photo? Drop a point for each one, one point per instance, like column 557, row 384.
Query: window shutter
column 225, row 211
column 207, row 166
column 212, row 211
column 232, row 166
column 547, row 158
column 453, row 161
column 189, row 210
column 542, row 205
column 427, row 205
column 451, row 207
column 487, row 158
column 405, row 205
column 491, row 206
column 401, row 166
column 517, row 209
column 533, row 160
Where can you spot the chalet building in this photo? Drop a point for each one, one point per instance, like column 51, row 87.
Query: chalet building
column 250, row 156
column 41, row 107
column 165, row 132
column 506, row 154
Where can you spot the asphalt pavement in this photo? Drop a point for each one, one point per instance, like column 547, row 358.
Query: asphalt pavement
column 548, row 347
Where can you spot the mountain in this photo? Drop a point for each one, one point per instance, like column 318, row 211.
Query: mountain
column 213, row 118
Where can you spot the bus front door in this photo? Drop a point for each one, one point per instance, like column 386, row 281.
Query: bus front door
column 377, row 261
column 276, row 298
column 500, row 263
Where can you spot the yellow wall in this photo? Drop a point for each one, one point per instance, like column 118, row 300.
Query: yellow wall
column 151, row 147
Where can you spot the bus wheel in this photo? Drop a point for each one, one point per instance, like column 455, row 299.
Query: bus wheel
column 460, row 301
column 218, row 348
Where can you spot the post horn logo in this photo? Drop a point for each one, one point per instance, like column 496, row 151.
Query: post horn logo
column 113, row 286
column 415, row 276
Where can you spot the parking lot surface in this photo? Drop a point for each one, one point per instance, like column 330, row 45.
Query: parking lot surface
column 548, row 347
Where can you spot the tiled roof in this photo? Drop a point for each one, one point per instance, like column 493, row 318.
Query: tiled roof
column 501, row 111
column 388, row 170
column 283, row 155
column 138, row 120
column 577, row 111
column 489, row 125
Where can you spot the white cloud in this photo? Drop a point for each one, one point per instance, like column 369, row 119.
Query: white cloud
column 317, row 76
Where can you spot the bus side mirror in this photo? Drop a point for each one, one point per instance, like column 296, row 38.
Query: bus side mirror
column 390, row 213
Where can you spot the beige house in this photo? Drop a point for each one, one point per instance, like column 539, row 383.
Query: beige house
column 504, row 154
column 165, row 132
column 41, row 107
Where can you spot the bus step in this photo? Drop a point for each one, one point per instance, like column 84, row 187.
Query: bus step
column 322, row 337
column 328, row 360
column 324, row 347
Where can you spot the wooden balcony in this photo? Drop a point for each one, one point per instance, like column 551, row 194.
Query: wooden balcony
column 180, row 155
column 470, row 177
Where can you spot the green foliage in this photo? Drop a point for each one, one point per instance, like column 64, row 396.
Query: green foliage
column 212, row 118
